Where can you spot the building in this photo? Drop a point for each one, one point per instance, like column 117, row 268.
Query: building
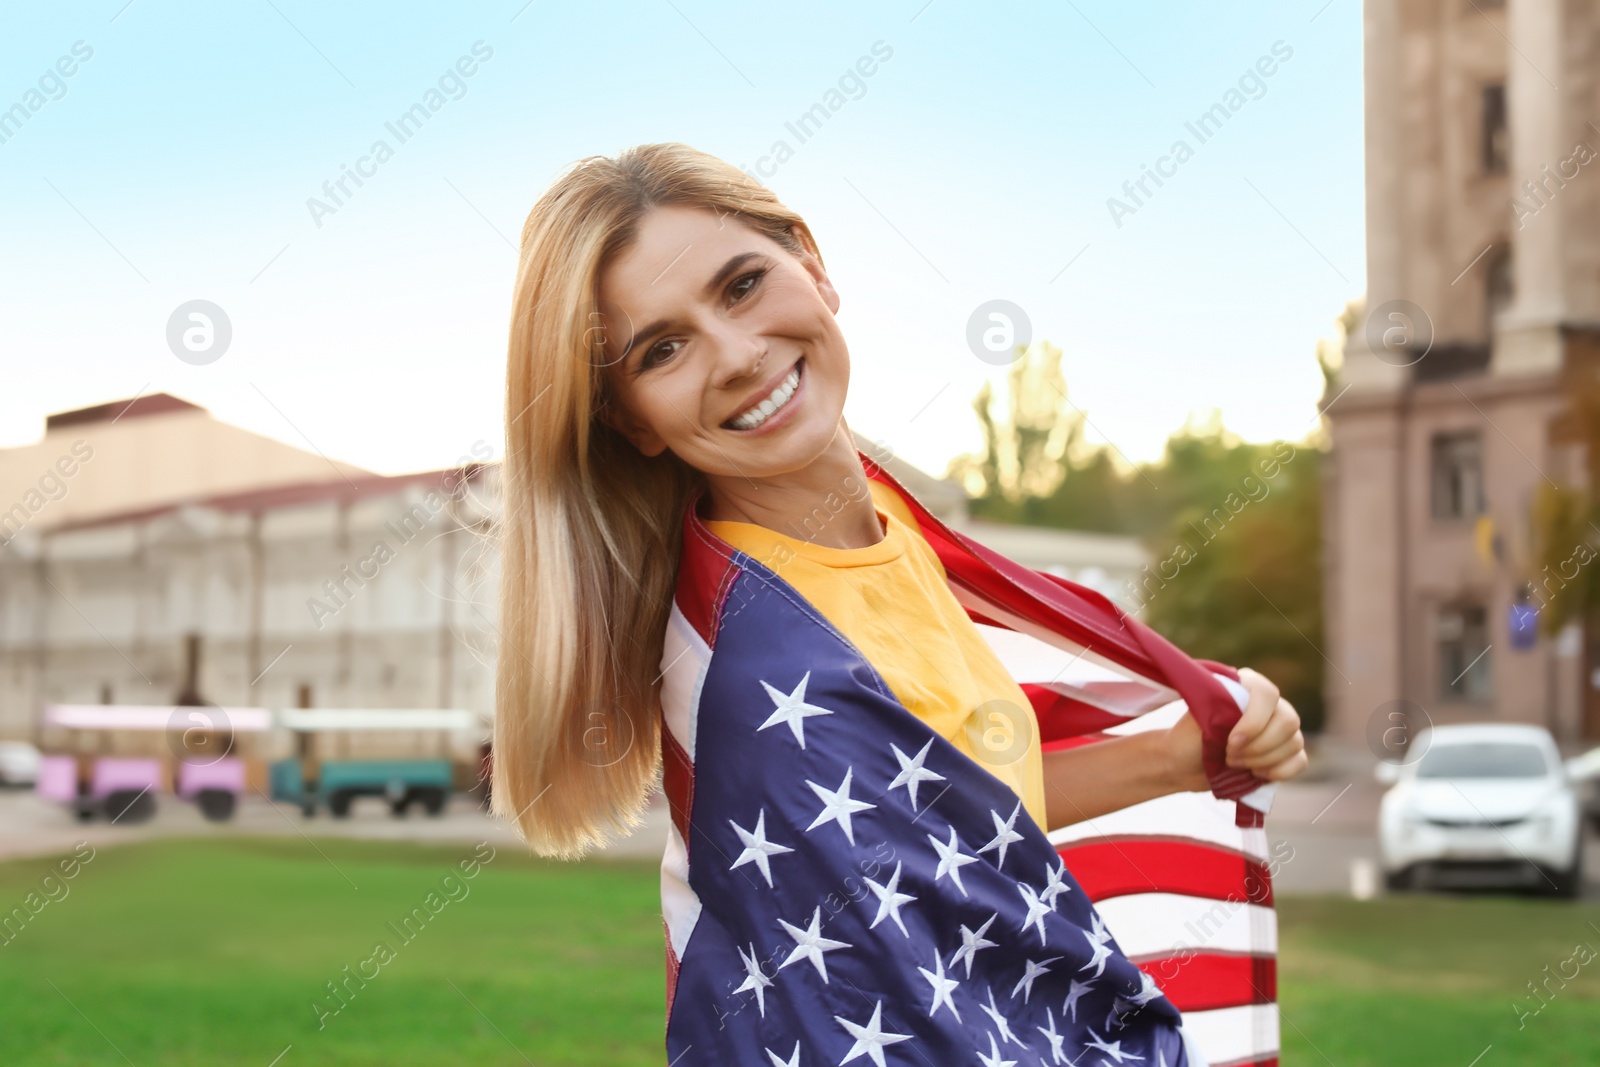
column 1483, row 298
column 169, row 552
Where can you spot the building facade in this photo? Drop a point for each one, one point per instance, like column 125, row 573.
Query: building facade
column 1451, row 408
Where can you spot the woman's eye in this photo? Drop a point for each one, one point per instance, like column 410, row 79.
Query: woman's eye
column 648, row 360
column 753, row 277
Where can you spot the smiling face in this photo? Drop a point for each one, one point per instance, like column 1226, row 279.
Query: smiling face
column 721, row 346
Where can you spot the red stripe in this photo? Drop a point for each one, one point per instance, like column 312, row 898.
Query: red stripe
column 1202, row 981
column 1266, row 1061
column 1108, row 869
column 672, row 968
column 677, row 782
column 1062, row 716
column 705, row 572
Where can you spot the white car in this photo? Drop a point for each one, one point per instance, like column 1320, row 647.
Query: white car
column 1489, row 802
column 19, row 763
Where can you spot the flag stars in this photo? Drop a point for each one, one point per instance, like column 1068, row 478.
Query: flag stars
column 792, row 1061
column 890, row 900
column 810, row 944
column 993, row 1058
column 757, row 849
column 951, row 860
column 1101, row 954
column 1004, row 834
column 754, row 978
column 1050, row 1035
column 1075, row 992
column 1112, row 1049
column 1056, row 883
column 792, row 709
column 870, row 1037
column 941, row 986
column 1031, row 969
column 1000, row 1021
column 837, row 806
column 1037, row 909
column 912, row 772
column 972, row 942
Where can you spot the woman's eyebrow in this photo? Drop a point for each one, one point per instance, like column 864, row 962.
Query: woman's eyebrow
column 644, row 336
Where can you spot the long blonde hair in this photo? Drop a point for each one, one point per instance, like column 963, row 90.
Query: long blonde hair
column 591, row 528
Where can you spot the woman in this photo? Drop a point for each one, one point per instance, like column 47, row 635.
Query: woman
column 675, row 383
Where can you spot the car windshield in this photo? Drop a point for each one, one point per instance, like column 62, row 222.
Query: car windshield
column 1483, row 759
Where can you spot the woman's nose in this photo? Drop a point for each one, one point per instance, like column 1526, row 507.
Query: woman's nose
column 739, row 356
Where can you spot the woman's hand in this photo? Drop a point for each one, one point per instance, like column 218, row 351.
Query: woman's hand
column 1266, row 740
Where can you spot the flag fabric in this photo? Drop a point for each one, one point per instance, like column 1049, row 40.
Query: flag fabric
column 841, row 883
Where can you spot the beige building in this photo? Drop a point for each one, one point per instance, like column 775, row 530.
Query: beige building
column 151, row 549
column 1483, row 293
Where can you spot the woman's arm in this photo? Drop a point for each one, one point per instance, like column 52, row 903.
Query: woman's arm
column 1092, row 780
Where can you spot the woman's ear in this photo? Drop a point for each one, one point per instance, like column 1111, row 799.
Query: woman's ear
column 819, row 276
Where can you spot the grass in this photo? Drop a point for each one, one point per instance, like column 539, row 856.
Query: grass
column 213, row 952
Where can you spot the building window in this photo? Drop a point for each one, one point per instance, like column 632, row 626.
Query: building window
column 1496, row 138
column 1497, row 286
column 1457, row 475
column 1463, row 636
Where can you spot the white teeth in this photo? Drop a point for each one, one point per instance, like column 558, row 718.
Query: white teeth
column 774, row 401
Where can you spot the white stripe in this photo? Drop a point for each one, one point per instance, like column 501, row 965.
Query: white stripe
column 680, row 905
column 1225, row 1035
column 1163, row 924
column 684, row 658
column 1067, row 670
column 1197, row 817
column 1159, row 694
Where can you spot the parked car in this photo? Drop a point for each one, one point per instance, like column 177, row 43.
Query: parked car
column 1483, row 804
column 19, row 763
column 1584, row 771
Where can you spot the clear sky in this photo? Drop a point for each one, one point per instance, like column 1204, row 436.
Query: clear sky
column 975, row 163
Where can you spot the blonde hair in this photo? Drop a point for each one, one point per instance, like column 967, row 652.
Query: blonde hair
column 591, row 528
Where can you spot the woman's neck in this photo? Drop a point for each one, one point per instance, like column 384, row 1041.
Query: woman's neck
column 827, row 502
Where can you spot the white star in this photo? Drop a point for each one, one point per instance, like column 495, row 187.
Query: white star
column 1050, row 1035
column 754, row 978
column 756, row 846
column 1075, row 991
column 792, row 1061
column 837, row 806
column 972, row 941
column 1057, row 885
column 1114, row 1049
column 810, row 944
column 993, row 1058
column 1101, row 953
column 870, row 1037
column 1037, row 909
column 1004, row 834
column 912, row 772
column 792, row 709
column 941, row 987
column 1101, row 934
column 1000, row 1021
column 951, row 860
column 890, row 901
column 1148, row 990
column 1030, row 971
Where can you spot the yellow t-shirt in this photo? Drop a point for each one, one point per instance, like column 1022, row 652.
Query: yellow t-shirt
column 892, row 602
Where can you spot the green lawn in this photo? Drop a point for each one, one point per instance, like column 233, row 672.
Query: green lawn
column 212, row 952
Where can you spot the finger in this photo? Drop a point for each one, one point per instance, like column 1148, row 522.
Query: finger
column 1287, row 769
column 1285, row 722
column 1263, row 700
column 1292, row 744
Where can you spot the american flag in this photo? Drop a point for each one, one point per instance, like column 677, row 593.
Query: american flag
column 841, row 883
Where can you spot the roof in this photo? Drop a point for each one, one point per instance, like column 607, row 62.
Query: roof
column 111, row 411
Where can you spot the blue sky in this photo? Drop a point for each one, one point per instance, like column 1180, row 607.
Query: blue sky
column 974, row 164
